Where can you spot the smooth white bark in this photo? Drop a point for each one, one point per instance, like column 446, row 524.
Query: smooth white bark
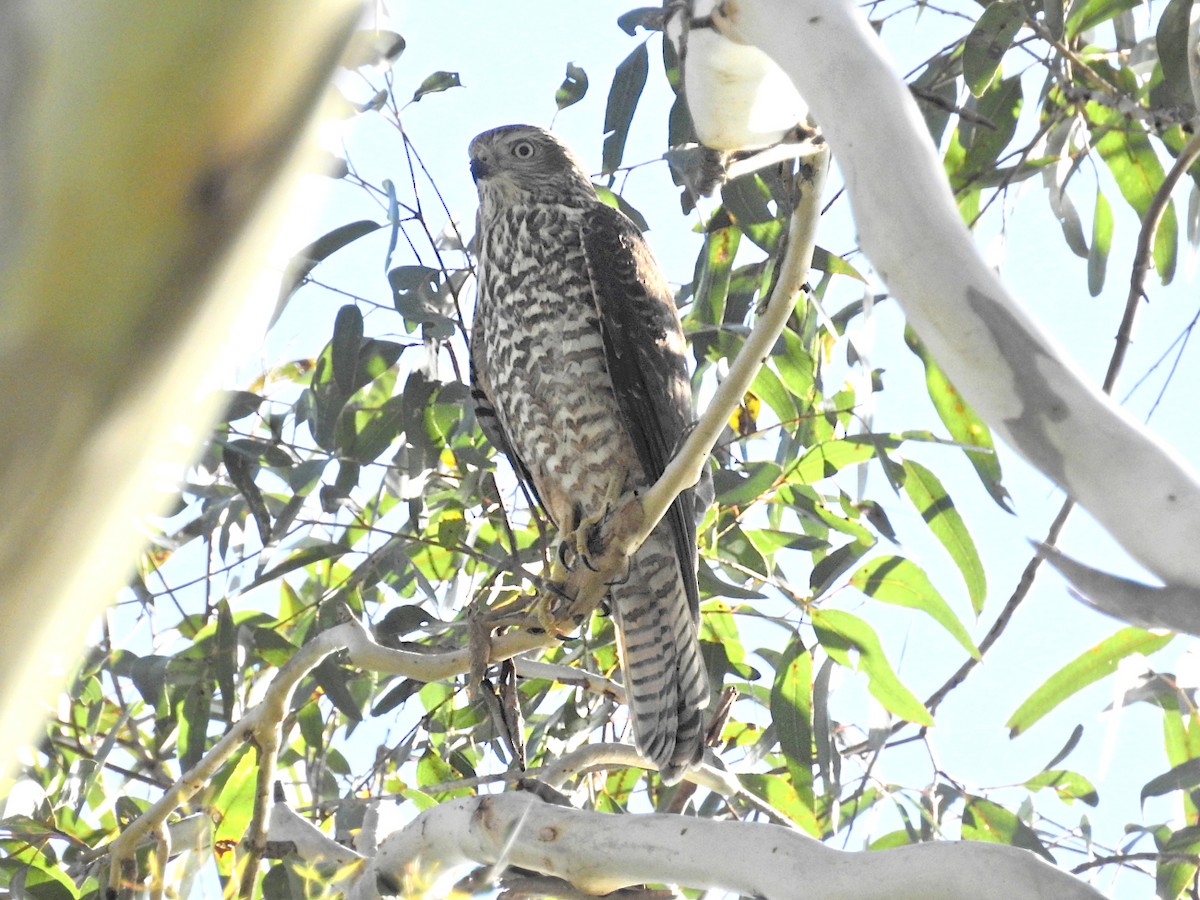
column 1015, row 375
column 600, row 852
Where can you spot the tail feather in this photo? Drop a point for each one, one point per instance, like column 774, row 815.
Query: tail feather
column 660, row 658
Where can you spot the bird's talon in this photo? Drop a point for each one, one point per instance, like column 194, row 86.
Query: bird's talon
column 565, row 550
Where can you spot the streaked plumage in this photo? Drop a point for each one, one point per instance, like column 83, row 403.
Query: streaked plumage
column 579, row 377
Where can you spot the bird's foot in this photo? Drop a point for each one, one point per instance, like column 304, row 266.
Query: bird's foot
column 586, row 541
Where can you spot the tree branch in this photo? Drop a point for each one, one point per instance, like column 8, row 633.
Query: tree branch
column 1016, row 376
column 598, row 852
column 1143, row 257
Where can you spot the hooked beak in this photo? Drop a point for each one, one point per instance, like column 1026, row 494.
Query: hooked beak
column 479, row 170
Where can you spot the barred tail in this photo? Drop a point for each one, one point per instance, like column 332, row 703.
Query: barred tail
column 660, row 658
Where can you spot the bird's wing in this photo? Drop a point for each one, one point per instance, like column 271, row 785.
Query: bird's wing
column 644, row 347
column 485, row 408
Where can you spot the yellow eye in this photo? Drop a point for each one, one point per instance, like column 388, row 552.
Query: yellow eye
column 524, row 150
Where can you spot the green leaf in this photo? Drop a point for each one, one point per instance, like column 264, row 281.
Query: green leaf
column 393, row 217
column 827, row 459
column 840, row 632
column 1171, row 40
column 1102, row 229
column 235, row 803
column 573, row 88
column 239, row 404
column 746, row 199
column 628, row 81
column 988, row 41
column 241, row 463
column 307, row 259
column 943, row 519
column 436, row 83
column 1175, row 873
column 791, row 712
column 835, row 564
column 1182, row 777
column 372, row 46
column 1069, row 786
column 347, row 339
column 1087, row 14
column 894, row 579
column 1126, row 149
column 1068, row 219
column 305, row 556
column 1090, row 666
column 796, row 369
column 736, row 490
column 767, row 387
column 962, row 422
column 832, row 264
column 334, row 681
column 999, row 108
column 37, row 878
column 192, row 714
column 226, row 659
column 714, row 269
column 376, row 429
column 616, row 201
column 778, row 792
column 984, row 820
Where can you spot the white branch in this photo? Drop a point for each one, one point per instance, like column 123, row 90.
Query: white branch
column 600, row 853
column 1017, row 377
column 688, row 464
column 589, row 681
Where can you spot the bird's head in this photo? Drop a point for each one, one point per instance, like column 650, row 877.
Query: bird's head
column 525, row 164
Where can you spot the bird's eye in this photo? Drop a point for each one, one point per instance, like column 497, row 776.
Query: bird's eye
column 523, row 150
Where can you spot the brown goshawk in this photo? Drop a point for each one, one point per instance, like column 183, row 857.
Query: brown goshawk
column 578, row 375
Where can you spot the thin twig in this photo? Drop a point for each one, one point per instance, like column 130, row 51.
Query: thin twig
column 1143, row 258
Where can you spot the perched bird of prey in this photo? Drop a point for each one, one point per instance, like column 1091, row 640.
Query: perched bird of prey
column 578, row 376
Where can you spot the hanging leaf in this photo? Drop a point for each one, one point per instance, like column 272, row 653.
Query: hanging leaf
column 1126, row 149
column 347, row 339
column 791, row 711
column 1086, row 14
column 783, row 796
column 962, row 422
column 827, row 459
column 393, row 216
column 1102, row 231
column 436, row 83
column 371, row 47
column 573, row 88
column 894, row 579
column 714, row 269
column 988, row 41
column 1171, row 40
column 840, row 632
column 1182, row 777
column 628, row 81
column 616, row 201
column 984, row 820
column 1069, row 786
column 937, row 509
column 1089, row 667
column 1068, row 219
column 307, row 259
column 235, row 802
column 991, row 123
